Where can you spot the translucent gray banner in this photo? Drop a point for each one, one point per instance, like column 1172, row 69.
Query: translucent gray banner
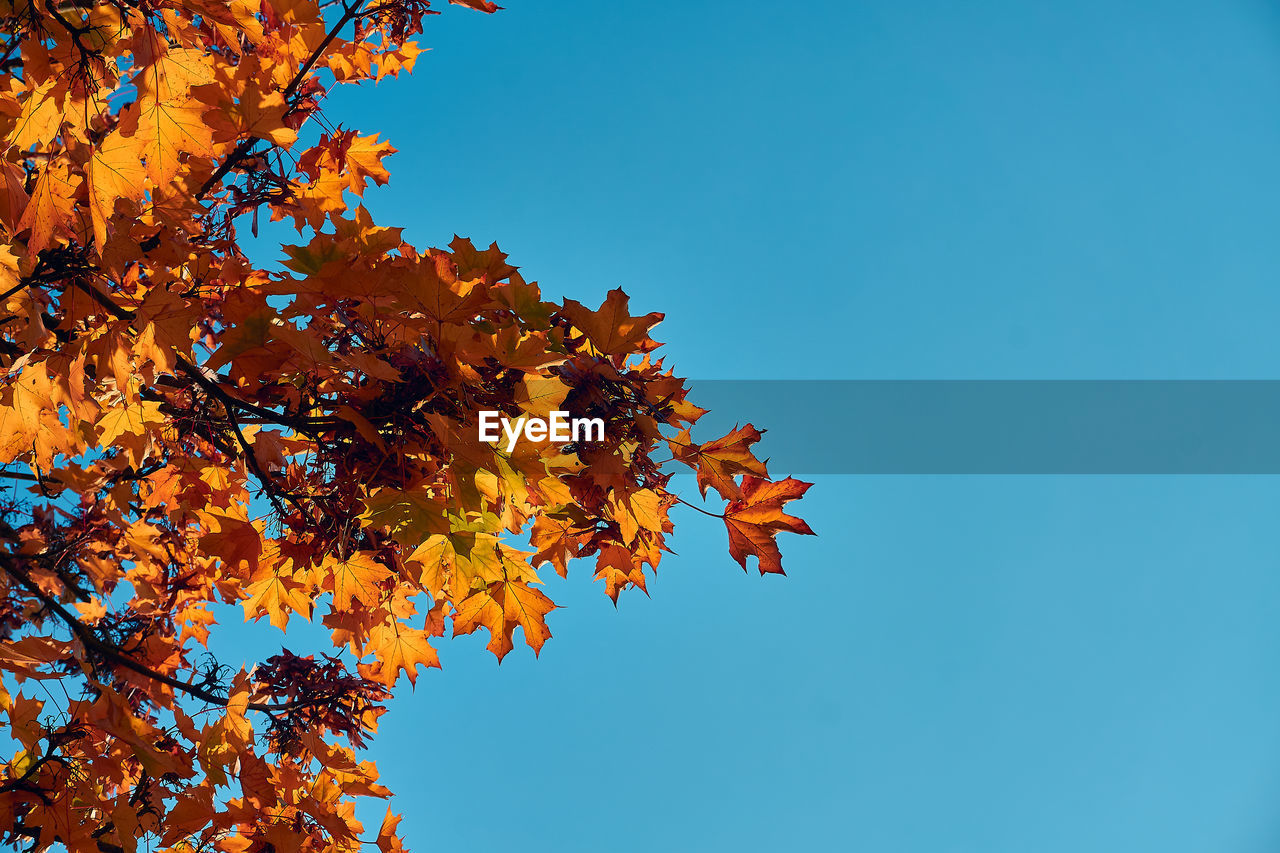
column 1002, row 427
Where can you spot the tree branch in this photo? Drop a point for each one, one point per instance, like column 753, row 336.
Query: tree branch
column 106, row 650
column 241, row 150
column 199, row 376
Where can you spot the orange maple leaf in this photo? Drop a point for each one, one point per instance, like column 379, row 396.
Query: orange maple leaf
column 171, row 76
column 41, row 116
column 501, row 607
column 359, row 577
column 478, row 5
column 164, row 130
column 260, row 114
column 557, row 539
column 755, row 519
column 398, row 647
column 719, row 462
column 611, row 328
column 115, row 172
column 619, row 568
column 387, row 841
column 49, row 211
column 278, row 594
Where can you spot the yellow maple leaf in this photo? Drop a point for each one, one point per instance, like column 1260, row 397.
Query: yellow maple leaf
column 131, row 419
column 356, row 578
column 166, row 129
column 398, row 647
column 278, row 594
column 41, row 115
column 172, row 75
column 261, row 115
column 115, row 172
column 50, row 209
column 639, row 510
column 128, row 426
column 501, row 607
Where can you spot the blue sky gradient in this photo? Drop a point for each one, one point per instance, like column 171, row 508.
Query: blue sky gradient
column 875, row 190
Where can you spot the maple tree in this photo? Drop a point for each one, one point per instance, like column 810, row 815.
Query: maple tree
column 184, row 429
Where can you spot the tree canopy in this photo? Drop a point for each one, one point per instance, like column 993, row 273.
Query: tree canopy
column 182, row 428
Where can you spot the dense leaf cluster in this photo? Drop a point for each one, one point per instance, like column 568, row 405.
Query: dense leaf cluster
column 184, row 429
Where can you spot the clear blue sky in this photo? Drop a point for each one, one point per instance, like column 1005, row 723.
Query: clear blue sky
column 882, row 189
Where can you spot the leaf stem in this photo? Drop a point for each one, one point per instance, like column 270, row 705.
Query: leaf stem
column 698, row 508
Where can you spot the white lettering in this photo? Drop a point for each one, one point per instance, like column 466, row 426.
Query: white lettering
column 593, row 427
column 512, row 434
column 489, row 426
column 559, row 428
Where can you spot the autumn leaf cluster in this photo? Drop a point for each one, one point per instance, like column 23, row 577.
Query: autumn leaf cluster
column 185, row 430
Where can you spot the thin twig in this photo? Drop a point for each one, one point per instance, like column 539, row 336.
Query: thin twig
column 92, row 643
